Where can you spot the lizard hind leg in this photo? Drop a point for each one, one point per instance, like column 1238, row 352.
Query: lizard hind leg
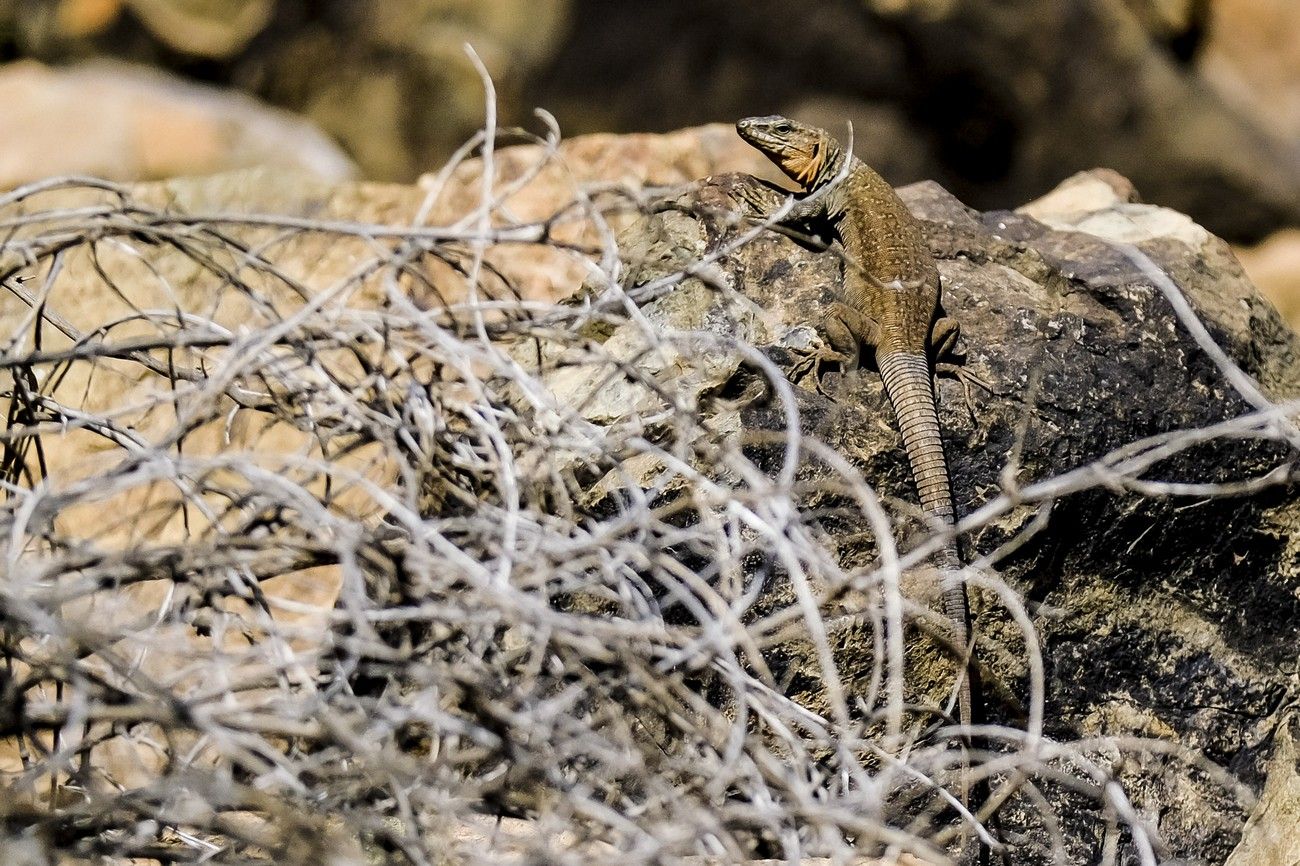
column 943, row 341
column 847, row 330
column 950, row 360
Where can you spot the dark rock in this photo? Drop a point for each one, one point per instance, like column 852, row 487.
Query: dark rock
column 1162, row 612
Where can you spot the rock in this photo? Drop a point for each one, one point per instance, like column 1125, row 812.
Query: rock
column 623, row 162
column 1170, row 618
column 130, row 123
column 1274, row 266
column 1078, row 196
column 1270, row 837
column 1252, row 57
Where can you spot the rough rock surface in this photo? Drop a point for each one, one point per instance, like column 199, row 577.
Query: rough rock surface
column 1270, row 837
column 1173, row 617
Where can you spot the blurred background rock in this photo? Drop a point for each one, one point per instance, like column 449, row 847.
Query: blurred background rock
column 1196, row 101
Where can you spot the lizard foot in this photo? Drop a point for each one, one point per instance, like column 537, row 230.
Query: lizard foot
column 805, row 365
column 966, row 378
column 846, row 367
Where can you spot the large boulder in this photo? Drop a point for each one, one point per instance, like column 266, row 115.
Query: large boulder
column 133, row 123
column 1131, row 484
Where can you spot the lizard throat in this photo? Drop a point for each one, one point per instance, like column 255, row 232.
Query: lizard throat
column 811, row 169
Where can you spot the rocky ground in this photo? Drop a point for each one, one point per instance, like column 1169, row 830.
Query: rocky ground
column 1169, row 615
column 1123, row 483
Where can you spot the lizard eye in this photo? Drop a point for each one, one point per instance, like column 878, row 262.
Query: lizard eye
column 784, row 128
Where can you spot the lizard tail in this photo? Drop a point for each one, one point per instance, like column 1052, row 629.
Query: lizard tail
column 910, row 387
column 909, row 384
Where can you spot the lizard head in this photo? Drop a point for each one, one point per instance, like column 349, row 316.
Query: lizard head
column 808, row 155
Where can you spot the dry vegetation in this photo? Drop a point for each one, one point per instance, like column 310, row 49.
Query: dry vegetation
column 306, row 574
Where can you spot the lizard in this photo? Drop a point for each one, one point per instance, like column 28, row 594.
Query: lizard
column 889, row 302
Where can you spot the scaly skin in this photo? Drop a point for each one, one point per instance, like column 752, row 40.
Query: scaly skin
column 889, row 303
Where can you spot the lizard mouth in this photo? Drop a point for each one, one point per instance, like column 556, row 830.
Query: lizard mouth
column 757, row 131
column 748, row 129
column 771, row 135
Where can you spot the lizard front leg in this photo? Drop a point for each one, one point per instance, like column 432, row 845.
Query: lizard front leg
column 759, row 200
column 756, row 198
column 847, row 330
column 804, row 212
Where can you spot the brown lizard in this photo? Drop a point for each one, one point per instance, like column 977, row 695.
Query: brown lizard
column 890, row 303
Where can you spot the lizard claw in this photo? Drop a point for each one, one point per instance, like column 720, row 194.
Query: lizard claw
column 966, row 378
column 802, row 368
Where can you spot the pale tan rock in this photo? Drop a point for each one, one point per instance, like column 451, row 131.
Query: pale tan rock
column 1252, row 58
column 1080, row 194
column 130, row 123
column 626, row 162
column 1274, row 266
column 1272, row 835
column 1103, row 203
